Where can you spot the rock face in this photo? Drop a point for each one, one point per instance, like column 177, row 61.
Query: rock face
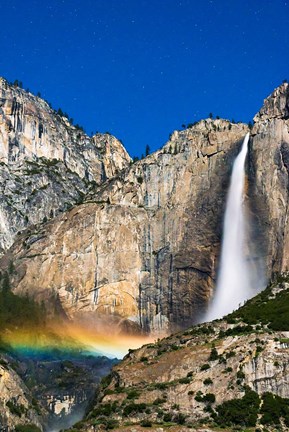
column 16, row 406
column 143, row 247
column 141, row 250
column 46, row 164
column 270, row 169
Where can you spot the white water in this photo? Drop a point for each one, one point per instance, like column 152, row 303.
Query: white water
column 234, row 283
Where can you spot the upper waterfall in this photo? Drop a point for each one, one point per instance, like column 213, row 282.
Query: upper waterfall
column 234, row 283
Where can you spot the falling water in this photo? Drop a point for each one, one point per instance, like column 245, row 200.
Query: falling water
column 234, row 284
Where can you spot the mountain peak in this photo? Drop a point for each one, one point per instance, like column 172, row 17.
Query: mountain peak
column 276, row 105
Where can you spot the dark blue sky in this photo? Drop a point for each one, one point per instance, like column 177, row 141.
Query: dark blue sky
column 142, row 68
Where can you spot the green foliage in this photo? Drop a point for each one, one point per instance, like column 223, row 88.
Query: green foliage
column 273, row 408
column 133, row 394
column 244, row 412
column 16, row 310
column 200, row 331
column 15, row 408
column 106, row 380
column 209, row 398
column 208, row 381
column 230, row 354
column 27, row 428
column 241, row 412
column 240, row 374
column 11, row 268
column 111, row 424
column 167, row 417
column 266, row 310
column 180, row 418
column 199, row 396
column 214, row 355
column 237, row 330
column 185, row 380
column 159, row 401
column 146, row 423
column 161, row 386
column 205, row 366
column 106, row 409
column 134, row 408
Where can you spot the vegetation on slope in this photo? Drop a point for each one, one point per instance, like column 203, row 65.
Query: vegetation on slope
column 18, row 311
column 216, row 391
column 268, row 308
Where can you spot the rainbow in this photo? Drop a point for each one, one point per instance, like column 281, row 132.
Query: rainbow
column 70, row 339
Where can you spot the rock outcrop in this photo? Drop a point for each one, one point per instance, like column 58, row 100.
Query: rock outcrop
column 270, row 176
column 46, row 164
column 16, row 401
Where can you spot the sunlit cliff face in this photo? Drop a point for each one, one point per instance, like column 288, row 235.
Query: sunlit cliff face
column 72, row 337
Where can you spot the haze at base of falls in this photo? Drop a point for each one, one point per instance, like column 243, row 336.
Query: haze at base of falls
column 239, row 277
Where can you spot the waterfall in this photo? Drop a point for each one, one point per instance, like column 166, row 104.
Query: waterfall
column 235, row 279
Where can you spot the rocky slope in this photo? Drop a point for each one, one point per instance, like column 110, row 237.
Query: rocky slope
column 229, row 373
column 142, row 249
column 17, row 406
column 46, row 164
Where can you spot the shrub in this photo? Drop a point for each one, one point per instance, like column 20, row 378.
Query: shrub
column 159, row 401
column 240, row 374
column 111, row 423
column 207, row 381
column 230, row 354
column 184, row 380
column 134, row 408
column 27, row 428
column 180, row 418
column 105, row 409
column 16, row 409
column 209, row 398
column 167, row 417
column 161, row 386
column 205, row 366
column 199, row 396
column 214, row 355
column 133, row 394
column 146, row 423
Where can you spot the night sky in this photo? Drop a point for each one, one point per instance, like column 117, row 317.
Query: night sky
column 142, row 68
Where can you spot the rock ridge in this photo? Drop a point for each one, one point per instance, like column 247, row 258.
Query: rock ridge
column 46, row 164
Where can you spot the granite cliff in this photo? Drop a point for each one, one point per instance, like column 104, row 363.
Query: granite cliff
column 142, row 247
column 141, row 250
column 46, row 164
